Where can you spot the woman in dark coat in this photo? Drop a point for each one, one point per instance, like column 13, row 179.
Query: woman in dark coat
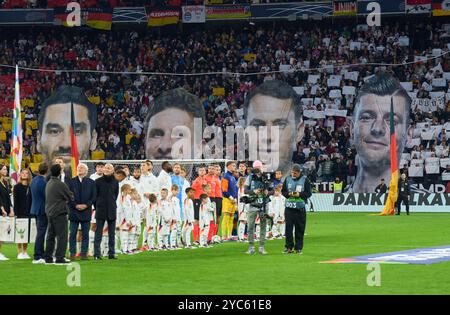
column 22, row 206
column 5, row 198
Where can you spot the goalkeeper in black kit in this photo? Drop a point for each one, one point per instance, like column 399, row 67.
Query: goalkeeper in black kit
column 296, row 189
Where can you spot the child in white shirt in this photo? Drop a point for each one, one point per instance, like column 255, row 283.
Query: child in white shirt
column 242, row 210
column 276, row 212
column 137, row 209
column 205, row 219
column 165, row 219
column 188, row 223
column 151, row 223
column 176, row 217
column 124, row 217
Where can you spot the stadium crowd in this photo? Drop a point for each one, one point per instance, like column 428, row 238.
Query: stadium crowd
column 296, row 55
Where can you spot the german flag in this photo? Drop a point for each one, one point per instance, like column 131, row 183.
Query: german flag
column 99, row 18
column 441, row 7
column 60, row 15
column 73, row 140
column 162, row 16
column 389, row 207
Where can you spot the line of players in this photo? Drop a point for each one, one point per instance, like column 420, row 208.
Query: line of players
column 163, row 213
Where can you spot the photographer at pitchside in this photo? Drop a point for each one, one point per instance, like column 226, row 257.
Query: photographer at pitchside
column 258, row 187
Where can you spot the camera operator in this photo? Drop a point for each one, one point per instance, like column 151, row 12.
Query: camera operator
column 258, row 187
column 297, row 190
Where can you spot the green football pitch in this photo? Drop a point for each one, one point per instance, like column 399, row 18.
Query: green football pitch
column 225, row 269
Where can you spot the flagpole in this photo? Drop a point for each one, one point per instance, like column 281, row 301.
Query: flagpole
column 15, row 161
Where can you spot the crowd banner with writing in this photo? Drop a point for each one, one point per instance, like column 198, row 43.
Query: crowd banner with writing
column 418, row 6
column 386, row 6
column 371, row 202
column 441, row 7
column 194, row 14
column 228, row 12
column 344, row 7
column 428, row 105
column 294, row 9
column 161, row 16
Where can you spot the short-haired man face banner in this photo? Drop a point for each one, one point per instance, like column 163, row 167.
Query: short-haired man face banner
column 55, row 120
column 371, row 130
column 275, row 104
column 171, row 120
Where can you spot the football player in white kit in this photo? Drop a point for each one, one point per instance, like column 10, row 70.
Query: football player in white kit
column 164, row 178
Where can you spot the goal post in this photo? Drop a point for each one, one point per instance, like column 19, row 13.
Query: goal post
column 191, row 166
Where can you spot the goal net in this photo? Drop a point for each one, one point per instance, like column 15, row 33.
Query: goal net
column 190, row 166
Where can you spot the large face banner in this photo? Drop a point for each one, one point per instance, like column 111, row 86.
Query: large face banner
column 175, row 127
column 371, row 130
column 53, row 138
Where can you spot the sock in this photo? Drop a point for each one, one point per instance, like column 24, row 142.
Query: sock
column 196, row 233
column 225, row 227
column 230, row 225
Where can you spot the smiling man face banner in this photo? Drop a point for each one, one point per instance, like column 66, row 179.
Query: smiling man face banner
column 370, row 130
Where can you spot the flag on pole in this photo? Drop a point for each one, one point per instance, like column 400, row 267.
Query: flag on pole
column 73, row 140
column 15, row 160
column 389, row 207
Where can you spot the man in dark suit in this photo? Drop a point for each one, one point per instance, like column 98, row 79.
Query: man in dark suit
column 83, row 189
column 37, row 188
column 107, row 190
column 403, row 194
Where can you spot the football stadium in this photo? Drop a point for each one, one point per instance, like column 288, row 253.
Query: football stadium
column 216, row 147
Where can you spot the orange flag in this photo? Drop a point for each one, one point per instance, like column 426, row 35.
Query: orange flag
column 389, row 207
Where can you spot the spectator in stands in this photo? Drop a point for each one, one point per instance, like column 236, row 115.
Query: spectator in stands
column 170, row 121
column 124, row 100
column 275, row 104
column 371, row 128
column 55, row 121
